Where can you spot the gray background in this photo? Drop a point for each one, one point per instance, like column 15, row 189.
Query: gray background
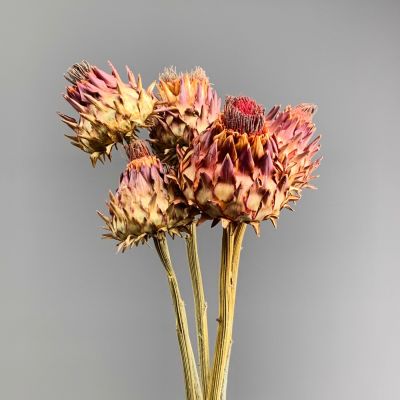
column 318, row 313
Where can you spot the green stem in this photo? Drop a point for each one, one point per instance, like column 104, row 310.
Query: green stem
column 200, row 307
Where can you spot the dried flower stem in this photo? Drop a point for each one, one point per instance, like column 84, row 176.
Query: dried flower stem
column 200, row 307
column 225, row 384
column 230, row 255
column 192, row 383
column 237, row 248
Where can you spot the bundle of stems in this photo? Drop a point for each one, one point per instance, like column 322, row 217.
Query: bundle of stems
column 205, row 380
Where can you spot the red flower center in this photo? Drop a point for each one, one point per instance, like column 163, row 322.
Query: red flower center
column 243, row 114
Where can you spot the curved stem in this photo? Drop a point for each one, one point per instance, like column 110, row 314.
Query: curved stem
column 200, row 307
column 230, row 254
column 192, row 384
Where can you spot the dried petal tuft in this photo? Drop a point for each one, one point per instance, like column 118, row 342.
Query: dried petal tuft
column 78, row 72
column 243, row 114
column 136, row 149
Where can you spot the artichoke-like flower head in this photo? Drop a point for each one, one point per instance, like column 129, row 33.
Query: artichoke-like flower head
column 247, row 166
column 110, row 110
column 147, row 202
column 189, row 106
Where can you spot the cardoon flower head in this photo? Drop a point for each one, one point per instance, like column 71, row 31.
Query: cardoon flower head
column 190, row 105
column 110, row 111
column 147, row 202
column 248, row 166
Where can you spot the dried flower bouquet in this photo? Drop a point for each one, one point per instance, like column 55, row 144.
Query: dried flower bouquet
column 238, row 166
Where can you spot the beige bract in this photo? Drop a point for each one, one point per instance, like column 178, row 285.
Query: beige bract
column 110, row 110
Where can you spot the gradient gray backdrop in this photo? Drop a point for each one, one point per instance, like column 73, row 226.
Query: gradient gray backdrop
column 318, row 313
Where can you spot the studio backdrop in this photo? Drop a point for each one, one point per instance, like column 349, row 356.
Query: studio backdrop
column 318, row 298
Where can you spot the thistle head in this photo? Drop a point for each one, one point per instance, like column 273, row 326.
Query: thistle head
column 110, row 110
column 188, row 106
column 238, row 170
column 147, row 203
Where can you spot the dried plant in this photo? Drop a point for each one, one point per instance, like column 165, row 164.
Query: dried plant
column 237, row 166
